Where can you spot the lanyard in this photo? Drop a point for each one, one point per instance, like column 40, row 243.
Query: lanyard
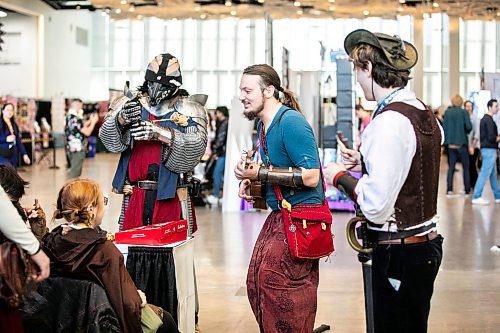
column 386, row 100
column 264, row 145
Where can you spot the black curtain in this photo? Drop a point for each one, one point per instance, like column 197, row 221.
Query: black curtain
column 153, row 271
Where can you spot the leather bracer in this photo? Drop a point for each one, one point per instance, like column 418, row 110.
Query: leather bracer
column 291, row 177
column 346, row 183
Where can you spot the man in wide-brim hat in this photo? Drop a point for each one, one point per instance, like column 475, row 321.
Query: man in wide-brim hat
column 397, row 193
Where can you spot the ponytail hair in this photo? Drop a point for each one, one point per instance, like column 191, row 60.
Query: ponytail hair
column 74, row 199
column 269, row 77
column 289, row 99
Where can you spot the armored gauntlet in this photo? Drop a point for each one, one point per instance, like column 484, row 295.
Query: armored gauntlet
column 146, row 131
column 131, row 112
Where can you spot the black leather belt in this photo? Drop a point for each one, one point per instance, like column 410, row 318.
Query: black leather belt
column 148, row 185
column 377, row 236
column 412, row 239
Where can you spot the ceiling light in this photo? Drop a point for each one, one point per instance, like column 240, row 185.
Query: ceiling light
column 203, row 16
column 123, row 2
column 331, row 1
column 2, row 13
column 131, row 9
column 332, row 8
column 228, row 3
column 400, row 9
column 197, row 8
column 233, row 12
column 300, row 12
column 296, row 3
column 402, row 1
column 118, row 11
column 366, row 12
column 435, row 5
column 260, row 1
column 498, row 13
column 139, row 17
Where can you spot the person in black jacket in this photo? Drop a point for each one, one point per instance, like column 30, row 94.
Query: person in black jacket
column 489, row 138
column 219, row 150
column 11, row 146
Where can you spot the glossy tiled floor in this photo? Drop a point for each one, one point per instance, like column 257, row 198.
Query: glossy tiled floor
column 467, row 291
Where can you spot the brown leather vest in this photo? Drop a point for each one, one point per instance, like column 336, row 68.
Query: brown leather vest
column 417, row 200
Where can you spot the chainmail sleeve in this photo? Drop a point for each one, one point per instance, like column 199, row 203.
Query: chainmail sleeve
column 112, row 136
column 186, row 150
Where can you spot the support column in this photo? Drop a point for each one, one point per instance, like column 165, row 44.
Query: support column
column 40, row 59
column 418, row 70
column 453, row 80
column 269, row 39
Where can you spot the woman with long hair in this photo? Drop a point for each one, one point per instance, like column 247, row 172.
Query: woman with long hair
column 10, row 138
column 79, row 249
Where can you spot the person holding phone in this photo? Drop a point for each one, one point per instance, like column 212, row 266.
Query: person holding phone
column 397, row 194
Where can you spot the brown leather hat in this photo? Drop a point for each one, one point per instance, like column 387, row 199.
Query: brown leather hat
column 400, row 55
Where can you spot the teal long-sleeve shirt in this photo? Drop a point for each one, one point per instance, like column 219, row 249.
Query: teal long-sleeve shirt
column 456, row 126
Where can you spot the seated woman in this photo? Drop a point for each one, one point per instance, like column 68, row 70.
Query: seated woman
column 79, row 249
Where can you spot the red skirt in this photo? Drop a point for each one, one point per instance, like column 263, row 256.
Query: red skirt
column 282, row 292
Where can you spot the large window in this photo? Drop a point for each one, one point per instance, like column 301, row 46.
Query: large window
column 302, row 37
column 212, row 53
column 478, row 51
column 436, row 60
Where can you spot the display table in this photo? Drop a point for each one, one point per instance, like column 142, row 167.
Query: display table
column 166, row 275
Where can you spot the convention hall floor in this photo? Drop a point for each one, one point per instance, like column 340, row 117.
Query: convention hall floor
column 467, row 290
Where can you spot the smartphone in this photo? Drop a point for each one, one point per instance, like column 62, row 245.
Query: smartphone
column 341, row 141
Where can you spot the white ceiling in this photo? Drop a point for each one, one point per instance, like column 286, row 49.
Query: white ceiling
column 167, row 9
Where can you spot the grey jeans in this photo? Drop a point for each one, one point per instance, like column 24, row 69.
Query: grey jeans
column 76, row 159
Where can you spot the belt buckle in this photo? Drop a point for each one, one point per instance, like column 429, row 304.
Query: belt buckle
column 146, row 184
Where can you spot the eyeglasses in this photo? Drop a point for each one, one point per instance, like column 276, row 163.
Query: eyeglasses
column 105, row 201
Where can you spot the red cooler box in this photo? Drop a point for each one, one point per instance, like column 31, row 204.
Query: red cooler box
column 156, row 234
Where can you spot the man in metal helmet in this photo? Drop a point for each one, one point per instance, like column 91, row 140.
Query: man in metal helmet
column 161, row 133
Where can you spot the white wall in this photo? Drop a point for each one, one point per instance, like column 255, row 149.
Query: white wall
column 65, row 69
column 18, row 61
column 67, row 64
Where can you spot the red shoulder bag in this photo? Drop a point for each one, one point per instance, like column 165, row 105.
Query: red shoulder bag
column 308, row 227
